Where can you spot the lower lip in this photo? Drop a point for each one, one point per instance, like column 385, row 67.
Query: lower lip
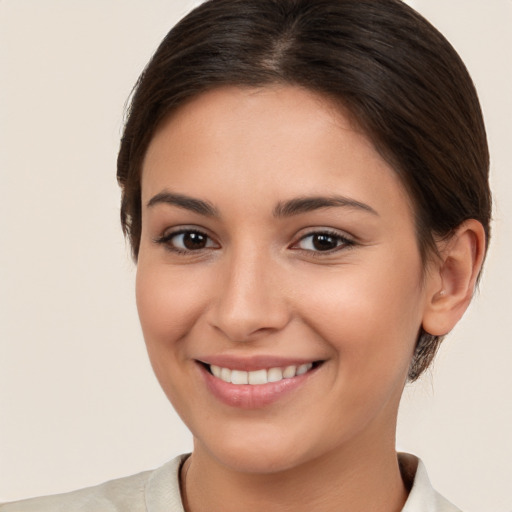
column 247, row 396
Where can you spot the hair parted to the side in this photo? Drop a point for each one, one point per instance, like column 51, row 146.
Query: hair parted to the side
column 396, row 74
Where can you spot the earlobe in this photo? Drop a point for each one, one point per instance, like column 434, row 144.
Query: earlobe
column 452, row 279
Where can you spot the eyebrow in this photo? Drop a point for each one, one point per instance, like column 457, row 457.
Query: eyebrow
column 307, row 204
column 289, row 208
column 185, row 202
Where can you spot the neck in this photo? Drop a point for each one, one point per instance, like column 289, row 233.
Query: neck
column 359, row 479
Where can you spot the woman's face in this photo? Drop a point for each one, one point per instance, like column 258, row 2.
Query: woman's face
column 276, row 241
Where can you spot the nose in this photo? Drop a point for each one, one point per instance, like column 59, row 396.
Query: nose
column 251, row 300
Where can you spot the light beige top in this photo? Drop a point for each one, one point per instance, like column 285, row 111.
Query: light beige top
column 159, row 491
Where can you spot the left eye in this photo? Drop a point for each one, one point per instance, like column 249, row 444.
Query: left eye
column 322, row 242
column 187, row 240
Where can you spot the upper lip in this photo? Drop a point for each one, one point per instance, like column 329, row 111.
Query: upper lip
column 254, row 362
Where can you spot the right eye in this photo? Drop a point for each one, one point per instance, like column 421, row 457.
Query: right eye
column 186, row 241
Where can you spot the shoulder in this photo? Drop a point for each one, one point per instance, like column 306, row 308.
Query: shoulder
column 150, row 491
column 422, row 497
column 121, row 494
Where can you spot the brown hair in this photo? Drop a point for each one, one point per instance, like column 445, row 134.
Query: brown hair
column 399, row 77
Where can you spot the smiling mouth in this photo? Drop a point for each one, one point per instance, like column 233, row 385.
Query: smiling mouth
column 260, row 377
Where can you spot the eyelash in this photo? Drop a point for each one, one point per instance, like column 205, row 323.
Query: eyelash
column 343, row 242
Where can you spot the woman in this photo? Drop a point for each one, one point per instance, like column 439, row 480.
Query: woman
column 305, row 193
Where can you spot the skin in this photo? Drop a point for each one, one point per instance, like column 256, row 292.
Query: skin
column 260, row 286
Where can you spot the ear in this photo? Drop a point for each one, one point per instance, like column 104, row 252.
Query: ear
column 452, row 279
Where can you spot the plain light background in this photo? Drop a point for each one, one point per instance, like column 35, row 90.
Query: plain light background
column 78, row 400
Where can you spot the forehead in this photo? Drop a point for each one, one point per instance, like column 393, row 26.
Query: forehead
column 271, row 141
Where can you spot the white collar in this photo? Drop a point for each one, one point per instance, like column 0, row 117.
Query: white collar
column 422, row 497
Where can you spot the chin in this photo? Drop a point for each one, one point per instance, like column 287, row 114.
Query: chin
column 258, row 461
column 256, row 455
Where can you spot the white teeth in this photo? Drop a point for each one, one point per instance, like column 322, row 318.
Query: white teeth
column 239, row 377
column 258, row 377
column 303, row 368
column 274, row 374
column 289, row 372
column 225, row 374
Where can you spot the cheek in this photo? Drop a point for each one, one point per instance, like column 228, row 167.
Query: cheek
column 168, row 305
column 372, row 333
column 370, row 318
